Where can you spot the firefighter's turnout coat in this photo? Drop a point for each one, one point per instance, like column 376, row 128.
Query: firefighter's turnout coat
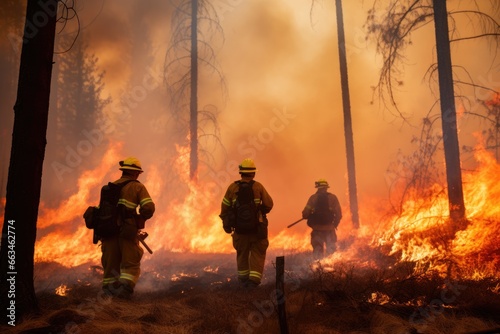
column 323, row 236
column 333, row 205
column 121, row 254
column 250, row 248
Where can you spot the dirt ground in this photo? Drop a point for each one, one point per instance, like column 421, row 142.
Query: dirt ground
column 200, row 294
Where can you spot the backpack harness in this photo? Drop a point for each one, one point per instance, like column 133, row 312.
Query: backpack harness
column 321, row 215
column 104, row 218
column 245, row 210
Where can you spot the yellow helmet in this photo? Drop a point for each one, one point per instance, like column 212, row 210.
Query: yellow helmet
column 247, row 166
column 321, row 183
column 131, row 163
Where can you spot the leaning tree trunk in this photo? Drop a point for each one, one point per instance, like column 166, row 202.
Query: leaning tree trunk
column 26, row 160
column 349, row 140
column 193, row 107
column 448, row 115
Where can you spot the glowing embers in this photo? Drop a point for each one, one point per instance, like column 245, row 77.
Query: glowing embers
column 379, row 298
column 180, row 276
column 62, row 290
column 209, row 269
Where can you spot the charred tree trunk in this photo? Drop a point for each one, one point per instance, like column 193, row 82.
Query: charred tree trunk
column 349, row 139
column 448, row 115
column 193, row 106
column 26, row 160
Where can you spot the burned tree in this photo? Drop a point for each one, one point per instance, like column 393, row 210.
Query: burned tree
column 349, row 137
column 195, row 27
column 392, row 32
column 448, row 112
column 26, row 160
column 346, row 108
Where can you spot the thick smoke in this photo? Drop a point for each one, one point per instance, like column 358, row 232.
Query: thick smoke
column 283, row 106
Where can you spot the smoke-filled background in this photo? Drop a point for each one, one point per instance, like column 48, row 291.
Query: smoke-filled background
column 274, row 89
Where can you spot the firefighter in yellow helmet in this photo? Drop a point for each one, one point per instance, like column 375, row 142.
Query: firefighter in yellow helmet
column 121, row 253
column 323, row 214
column 243, row 212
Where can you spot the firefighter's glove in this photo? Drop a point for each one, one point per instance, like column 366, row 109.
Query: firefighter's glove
column 228, row 229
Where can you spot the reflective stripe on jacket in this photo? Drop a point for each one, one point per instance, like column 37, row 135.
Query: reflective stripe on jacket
column 135, row 194
column 333, row 205
column 261, row 197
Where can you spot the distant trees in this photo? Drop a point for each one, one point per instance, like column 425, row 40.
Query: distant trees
column 392, row 32
column 76, row 105
column 79, row 88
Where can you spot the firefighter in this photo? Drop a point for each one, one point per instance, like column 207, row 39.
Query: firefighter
column 121, row 254
column 323, row 214
column 250, row 246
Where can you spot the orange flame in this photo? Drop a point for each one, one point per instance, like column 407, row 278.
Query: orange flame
column 70, row 244
column 192, row 224
column 427, row 237
column 73, row 207
column 421, row 233
column 189, row 225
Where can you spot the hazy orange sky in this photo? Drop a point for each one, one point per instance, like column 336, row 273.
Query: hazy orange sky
column 283, row 104
column 283, row 107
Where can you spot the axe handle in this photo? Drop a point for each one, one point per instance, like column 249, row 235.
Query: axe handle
column 146, row 246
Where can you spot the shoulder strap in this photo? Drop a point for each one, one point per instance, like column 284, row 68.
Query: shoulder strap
column 251, row 182
column 124, row 183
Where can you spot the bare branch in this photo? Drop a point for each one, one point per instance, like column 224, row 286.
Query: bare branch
column 475, row 37
column 178, row 75
column 392, row 34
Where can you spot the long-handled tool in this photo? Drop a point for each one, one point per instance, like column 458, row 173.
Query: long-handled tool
column 141, row 236
column 298, row 221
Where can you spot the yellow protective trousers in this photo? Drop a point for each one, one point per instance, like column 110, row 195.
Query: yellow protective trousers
column 323, row 243
column 121, row 260
column 250, row 256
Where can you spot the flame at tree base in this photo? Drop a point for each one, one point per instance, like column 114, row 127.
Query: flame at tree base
column 436, row 244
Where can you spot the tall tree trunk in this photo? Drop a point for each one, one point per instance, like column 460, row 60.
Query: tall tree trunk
column 26, row 160
column 448, row 115
column 193, row 107
column 349, row 139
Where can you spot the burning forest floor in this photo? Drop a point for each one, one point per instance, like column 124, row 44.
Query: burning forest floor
column 198, row 293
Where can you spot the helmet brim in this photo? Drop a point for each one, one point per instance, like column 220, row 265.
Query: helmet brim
column 243, row 170
column 131, row 168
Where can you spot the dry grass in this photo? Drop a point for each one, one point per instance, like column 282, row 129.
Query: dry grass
column 341, row 300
